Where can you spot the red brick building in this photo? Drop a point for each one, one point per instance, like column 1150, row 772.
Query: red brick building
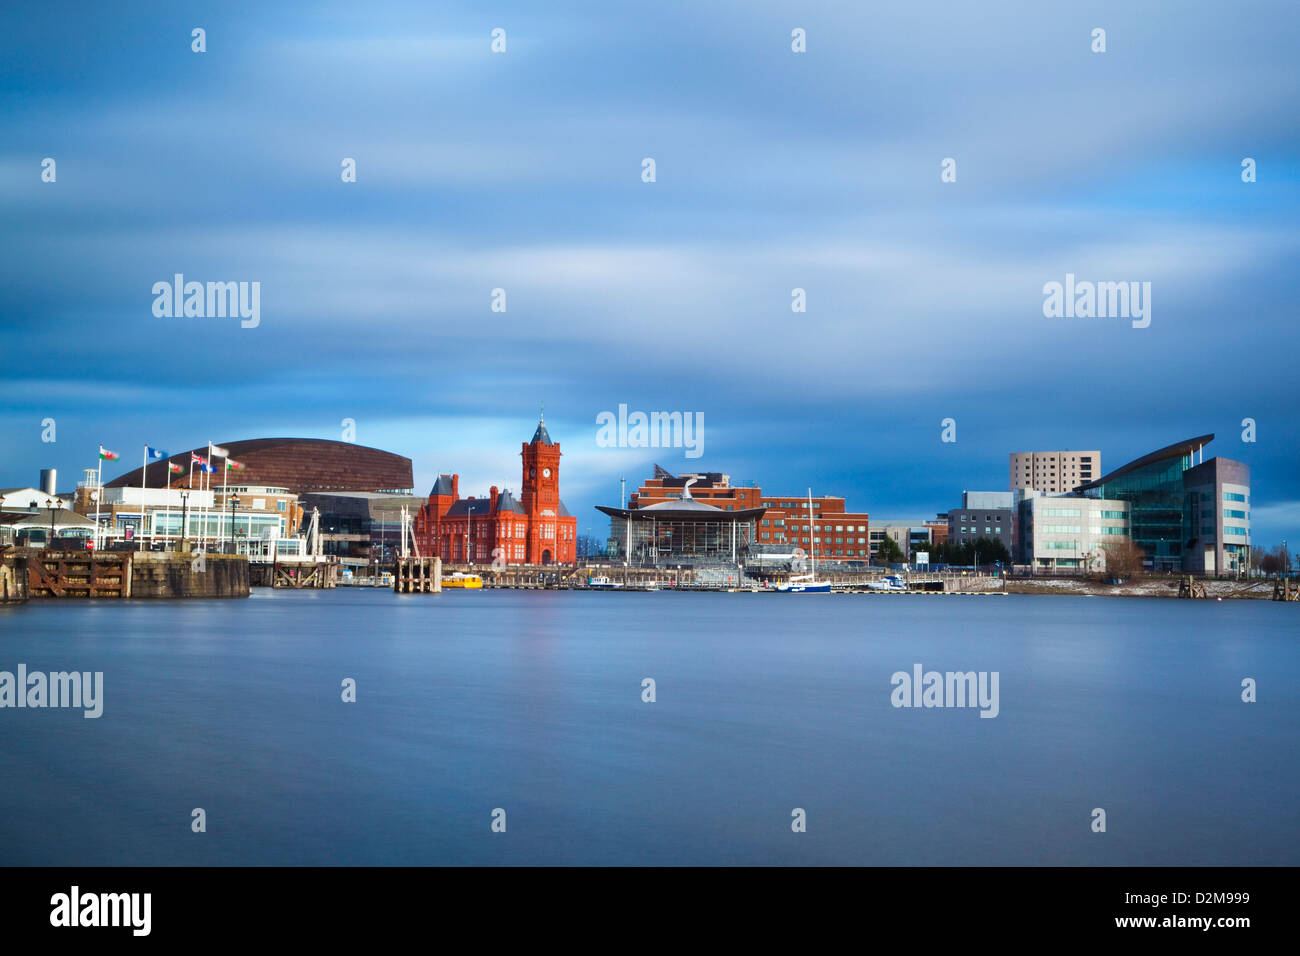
column 534, row 528
column 833, row 534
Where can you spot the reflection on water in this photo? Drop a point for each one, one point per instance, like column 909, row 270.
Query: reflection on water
column 532, row 702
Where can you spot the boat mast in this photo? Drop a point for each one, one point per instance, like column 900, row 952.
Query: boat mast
column 812, row 537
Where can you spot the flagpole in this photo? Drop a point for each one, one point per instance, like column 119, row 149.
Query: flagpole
column 144, row 486
column 185, row 516
column 225, row 479
column 167, row 502
column 99, row 493
column 208, row 482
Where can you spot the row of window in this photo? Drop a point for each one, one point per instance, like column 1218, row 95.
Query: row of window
column 818, row 527
column 766, row 536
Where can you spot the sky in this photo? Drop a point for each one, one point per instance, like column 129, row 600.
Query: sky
column 522, row 170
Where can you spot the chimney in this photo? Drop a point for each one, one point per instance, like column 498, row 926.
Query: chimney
column 49, row 481
column 492, row 499
column 455, row 487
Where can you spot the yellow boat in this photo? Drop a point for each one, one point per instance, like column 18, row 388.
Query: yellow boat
column 462, row 580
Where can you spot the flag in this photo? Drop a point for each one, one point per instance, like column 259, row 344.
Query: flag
column 196, row 459
column 232, row 465
column 154, row 453
column 219, row 452
column 174, row 468
column 107, row 455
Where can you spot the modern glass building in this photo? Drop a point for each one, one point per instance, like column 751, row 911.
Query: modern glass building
column 685, row 531
column 1167, row 493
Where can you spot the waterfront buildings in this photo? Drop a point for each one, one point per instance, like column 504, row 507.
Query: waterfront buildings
column 1068, row 531
column 261, row 498
column 534, row 528
column 683, row 530
column 984, row 514
column 300, row 465
column 833, row 534
column 238, row 512
column 1053, row 472
column 1185, row 514
column 33, row 526
column 909, row 536
column 1218, row 515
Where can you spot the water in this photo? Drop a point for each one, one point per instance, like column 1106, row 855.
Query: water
column 531, row 702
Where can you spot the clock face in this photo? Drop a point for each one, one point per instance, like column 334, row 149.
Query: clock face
column 546, row 472
column 532, row 472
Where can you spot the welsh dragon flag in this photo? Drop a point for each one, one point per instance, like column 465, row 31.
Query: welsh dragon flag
column 232, row 465
column 107, row 455
column 175, row 469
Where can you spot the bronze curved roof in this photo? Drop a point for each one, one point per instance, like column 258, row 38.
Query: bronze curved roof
column 675, row 511
column 1176, row 450
column 300, row 464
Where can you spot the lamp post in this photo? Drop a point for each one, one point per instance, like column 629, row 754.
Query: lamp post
column 233, row 502
column 50, row 505
column 185, row 516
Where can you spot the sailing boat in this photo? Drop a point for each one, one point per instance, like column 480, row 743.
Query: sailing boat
column 807, row 583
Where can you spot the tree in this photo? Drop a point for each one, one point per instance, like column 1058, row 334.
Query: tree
column 1123, row 560
column 888, row 551
column 1276, row 561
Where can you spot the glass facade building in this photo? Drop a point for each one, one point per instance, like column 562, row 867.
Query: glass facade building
column 681, row 532
column 1180, row 512
column 1157, row 509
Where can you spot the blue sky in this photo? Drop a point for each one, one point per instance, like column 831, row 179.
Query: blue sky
column 775, row 170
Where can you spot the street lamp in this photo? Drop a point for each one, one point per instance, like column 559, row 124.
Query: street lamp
column 233, row 501
column 185, row 516
column 50, row 505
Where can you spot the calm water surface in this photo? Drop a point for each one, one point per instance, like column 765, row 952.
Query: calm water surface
column 531, row 701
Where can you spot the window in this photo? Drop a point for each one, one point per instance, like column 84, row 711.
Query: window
column 1114, row 515
column 1229, row 513
column 281, row 505
column 1233, row 496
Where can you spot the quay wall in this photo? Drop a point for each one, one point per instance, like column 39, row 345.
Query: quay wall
column 174, row 575
column 13, row 578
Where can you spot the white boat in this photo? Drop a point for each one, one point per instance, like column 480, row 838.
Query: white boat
column 807, row 583
column 890, row 582
column 804, row 583
column 602, row 582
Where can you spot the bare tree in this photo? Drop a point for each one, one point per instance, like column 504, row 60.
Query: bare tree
column 1123, row 560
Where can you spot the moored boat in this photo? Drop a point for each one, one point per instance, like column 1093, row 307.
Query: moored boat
column 462, row 580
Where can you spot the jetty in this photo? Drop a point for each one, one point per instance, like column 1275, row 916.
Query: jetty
column 112, row 575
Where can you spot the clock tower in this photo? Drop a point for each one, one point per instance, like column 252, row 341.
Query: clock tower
column 541, row 498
